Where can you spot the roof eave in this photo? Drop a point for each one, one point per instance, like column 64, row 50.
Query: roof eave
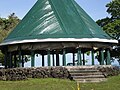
column 61, row 40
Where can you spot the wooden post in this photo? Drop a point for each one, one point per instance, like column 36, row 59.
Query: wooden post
column 20, row 54
column 43, row 62
column 57, row 58
column 102, row 56
column 22, row 60
column 73, row 59
column 48, row 57
column 108, row 57
column 15, row 61
column 32, row 59
column 5, row 59
column 79, row 57
column 92, row 53
column 10, row 60
column 64, row 57
column 53, row 59
column 83, row 58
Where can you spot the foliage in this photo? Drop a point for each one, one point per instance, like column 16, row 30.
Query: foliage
column 3, row 34
column 6, row 26
column 113, row 29
column 111, row 25
column 1, row 58
column 9, row 23
column 114, row 9
column 103, row 22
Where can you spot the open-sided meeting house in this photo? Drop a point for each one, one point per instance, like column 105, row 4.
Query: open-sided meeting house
column 54, row 28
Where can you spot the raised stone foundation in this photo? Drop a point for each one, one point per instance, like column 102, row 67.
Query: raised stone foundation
column 15, row 74
column 40, row 72
column 109, row 70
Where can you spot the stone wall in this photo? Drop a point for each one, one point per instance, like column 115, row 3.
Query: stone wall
column 15, row 74
column 109, row 70
column 40, row 72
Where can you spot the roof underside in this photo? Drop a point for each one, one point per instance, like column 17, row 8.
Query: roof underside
column 54, row 19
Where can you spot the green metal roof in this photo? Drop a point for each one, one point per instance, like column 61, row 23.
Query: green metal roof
column 56, row 19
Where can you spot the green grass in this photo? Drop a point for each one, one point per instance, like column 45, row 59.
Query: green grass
column 38, row 84
column 113, row 83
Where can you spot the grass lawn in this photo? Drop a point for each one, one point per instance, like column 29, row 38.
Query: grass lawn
column 113, row 83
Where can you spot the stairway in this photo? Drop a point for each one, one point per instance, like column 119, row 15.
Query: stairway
column 86, row 74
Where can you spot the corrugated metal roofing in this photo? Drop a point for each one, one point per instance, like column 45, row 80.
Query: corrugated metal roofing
column 56, row 19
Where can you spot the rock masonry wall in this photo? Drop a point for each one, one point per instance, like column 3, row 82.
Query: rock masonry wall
column 109, row 70
column 40, row 72
column 16, row 74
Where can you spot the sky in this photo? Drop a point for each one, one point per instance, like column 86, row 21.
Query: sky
column 95, row 8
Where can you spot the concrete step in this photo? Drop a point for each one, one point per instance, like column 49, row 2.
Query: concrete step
column 91, row 80
column 83, row 71
column 90, row 76
column 86, row 74
column 81, row 67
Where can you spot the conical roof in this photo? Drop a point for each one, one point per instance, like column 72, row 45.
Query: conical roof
column 57, row 20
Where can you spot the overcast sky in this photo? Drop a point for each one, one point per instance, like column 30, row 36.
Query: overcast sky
column 95, row 8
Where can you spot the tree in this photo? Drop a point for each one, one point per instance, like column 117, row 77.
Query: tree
column 114, row 9
column 6, row 26
column 111, row 25
column 113, row 29
column 103, row 21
